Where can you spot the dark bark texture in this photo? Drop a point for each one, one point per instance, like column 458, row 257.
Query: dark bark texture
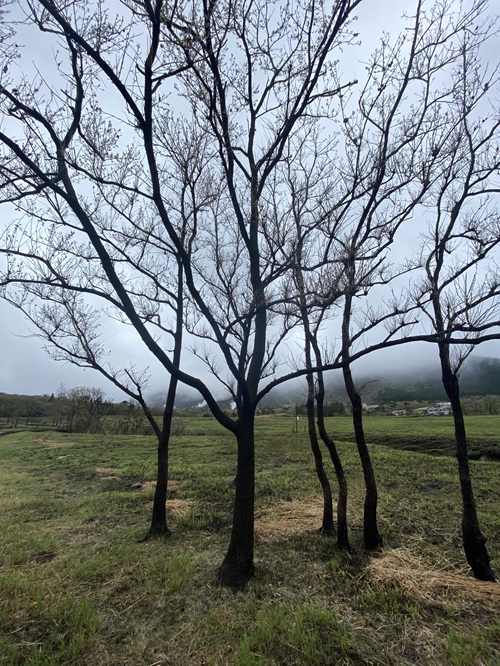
column 159, row 525
column 327, row 525
column 371, row 535
column 237, row 566
column 159, row 514
column 474, row 540
column 342, row 533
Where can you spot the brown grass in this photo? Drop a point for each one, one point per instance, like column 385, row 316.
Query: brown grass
column 178, row 507
column 175, row 506
column 288, row 518
column 50, row 444
column 429, row 584
column 173, row 485
column 106, row 472
column 413, row 574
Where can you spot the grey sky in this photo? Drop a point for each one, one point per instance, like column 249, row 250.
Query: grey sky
column 26, row 368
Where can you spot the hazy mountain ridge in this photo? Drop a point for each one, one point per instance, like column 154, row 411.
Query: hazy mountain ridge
column 480, row 377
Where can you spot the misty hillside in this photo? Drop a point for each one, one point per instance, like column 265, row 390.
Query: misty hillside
column 481, row 376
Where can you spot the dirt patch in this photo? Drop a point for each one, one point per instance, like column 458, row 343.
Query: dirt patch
column 429, row 584
column 288, row 518
column 107, row 473
column 50, row 444
column 173, row 486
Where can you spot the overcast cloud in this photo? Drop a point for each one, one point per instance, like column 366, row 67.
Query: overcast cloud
column 26, row 368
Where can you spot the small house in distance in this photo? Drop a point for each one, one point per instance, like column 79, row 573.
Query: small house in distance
column 439, row 409
column 399, row 412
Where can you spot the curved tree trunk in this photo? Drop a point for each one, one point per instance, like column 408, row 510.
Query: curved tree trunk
column 237, row 566
column 328, row 525
column 342, row 533
column 371, row 535
column 473, row 540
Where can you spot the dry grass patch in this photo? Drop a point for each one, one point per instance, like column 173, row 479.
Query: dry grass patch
column 106, row 473
column 288, row 519
column 430, row 584
column 179, row 507
column 173, row 486
column 51, row 444
column 175, row 506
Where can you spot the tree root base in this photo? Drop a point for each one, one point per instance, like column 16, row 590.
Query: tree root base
column 235, row 576
column 158, row 532
column 373, row 542
column 328, row 530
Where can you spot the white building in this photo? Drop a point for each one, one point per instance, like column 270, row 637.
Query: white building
column 440, row 409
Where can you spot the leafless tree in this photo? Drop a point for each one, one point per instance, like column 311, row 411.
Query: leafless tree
column 393, row 131
column 86, row 149
column 85, row 409
column 460, row 290
column 96, row 147
column 307, row 175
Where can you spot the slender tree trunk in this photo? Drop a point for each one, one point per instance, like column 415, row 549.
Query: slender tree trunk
column 342, row 533
column 328, row 525
column 371, row 535
column 473, row 540
column 159, row 514
column 237, row 566
column 159, row 525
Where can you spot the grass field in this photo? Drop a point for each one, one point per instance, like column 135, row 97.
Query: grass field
column 77, row 585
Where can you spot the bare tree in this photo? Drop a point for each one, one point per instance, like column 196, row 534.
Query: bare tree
column 380, row 187
column 328, row 525
column 308, row 177
column 85, row 409
column 92, row 149
column 395, row 120
column 461, row 287
column 394, row 131
column 247, row 79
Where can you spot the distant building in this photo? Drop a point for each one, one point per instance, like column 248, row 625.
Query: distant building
column 368, row 407
column 399, row 412
column 440, row 409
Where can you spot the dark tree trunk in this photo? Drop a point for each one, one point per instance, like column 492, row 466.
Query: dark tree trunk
column 371, row 535
column 328, row 525
column 473, row 540
column 237, row 566
column 342, row 533
column 159, row 525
